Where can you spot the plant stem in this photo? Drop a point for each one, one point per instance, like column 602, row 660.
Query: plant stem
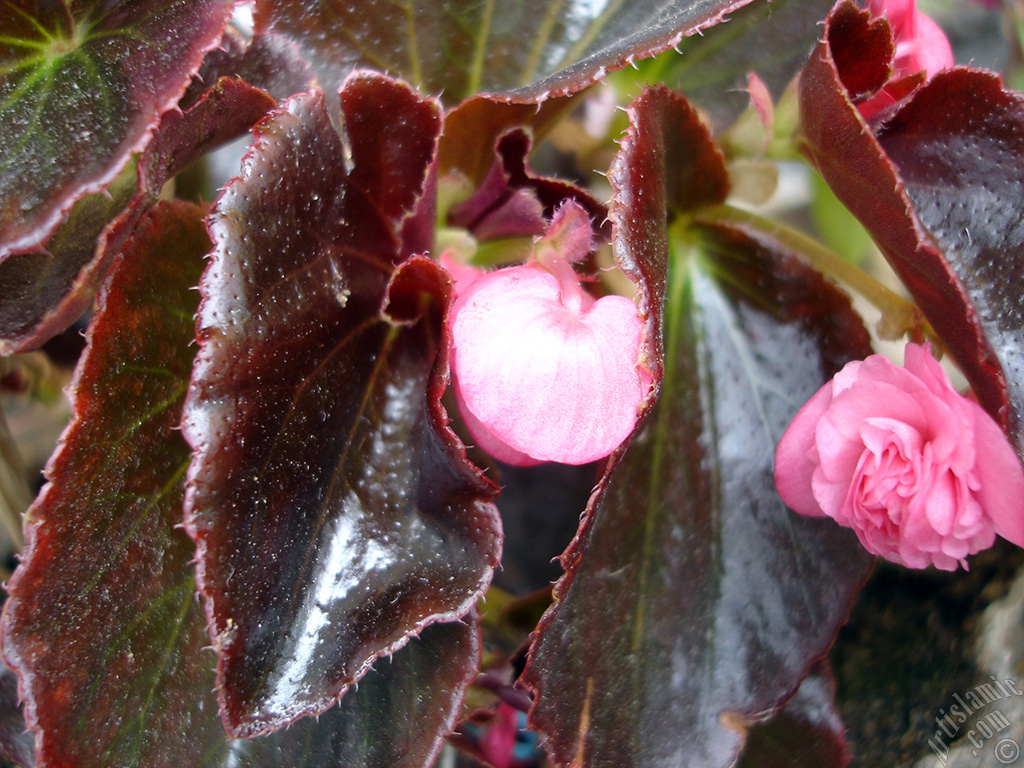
column 899, row 316
column 15, row 496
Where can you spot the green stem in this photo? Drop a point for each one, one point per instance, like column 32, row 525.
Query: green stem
column 899, row 316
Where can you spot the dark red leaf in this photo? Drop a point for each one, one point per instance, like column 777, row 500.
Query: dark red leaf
column 397, row 717
column 694, row 601
column 940, row 189
column 459, row 48
column 102, row 624
column 268, row 62
column 496, row 209
column 334, row 511
column 957, row 147
column 81, row 87
column 806, row 733
column 224, row 111
column 772, row 39
column 45, row 291
column 472, row 130
column 17, row 746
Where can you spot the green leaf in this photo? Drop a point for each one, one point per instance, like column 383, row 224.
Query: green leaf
column 81, row 87
column 694, row 601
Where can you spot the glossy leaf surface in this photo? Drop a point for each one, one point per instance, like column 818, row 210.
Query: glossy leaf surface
column 102, row 623
column 81, row 86
column 268, row 62
column 460, row 48
column 773, row 39
column 47, row 290
column 940, row 188
column 334, row 512
column 806, row 733
column 397, row 717
column 957, row 146
column 694, row 601
column 472, row 130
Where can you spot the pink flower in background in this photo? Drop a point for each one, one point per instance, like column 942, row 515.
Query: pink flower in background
column 921, row 473
column 541, row 370
column 921, row 46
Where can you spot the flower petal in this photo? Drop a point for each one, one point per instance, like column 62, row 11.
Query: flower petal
column 554, row 382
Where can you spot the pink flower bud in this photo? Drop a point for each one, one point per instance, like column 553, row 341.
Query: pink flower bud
column 542, row 371
column 922, row 474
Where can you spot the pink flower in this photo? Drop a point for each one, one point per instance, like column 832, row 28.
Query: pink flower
column 541, row 370
column 922, row 474
column 921, row 46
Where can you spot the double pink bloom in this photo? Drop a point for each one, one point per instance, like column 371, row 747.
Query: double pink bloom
column 542, row 370
column 922, row 474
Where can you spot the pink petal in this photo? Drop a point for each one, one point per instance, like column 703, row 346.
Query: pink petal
column 463, row 275
column 927, row 51
column 569, row 238
column 900, row 13
column 1001, row 479
column 553, row 382
column 486, row 439
column 796, row 456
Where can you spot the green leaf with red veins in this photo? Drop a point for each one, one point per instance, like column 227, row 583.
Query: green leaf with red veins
column 102, row 624
column 694, row 601
column 82, row 85
column 334, row 511
column 528, row 50
column 940, row 188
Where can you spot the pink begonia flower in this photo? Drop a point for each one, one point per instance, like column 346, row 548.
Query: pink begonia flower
column 921, row 473
column 541, row 370
column 921, row 46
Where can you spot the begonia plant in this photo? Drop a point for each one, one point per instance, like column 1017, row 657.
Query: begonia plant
column 489, row 284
